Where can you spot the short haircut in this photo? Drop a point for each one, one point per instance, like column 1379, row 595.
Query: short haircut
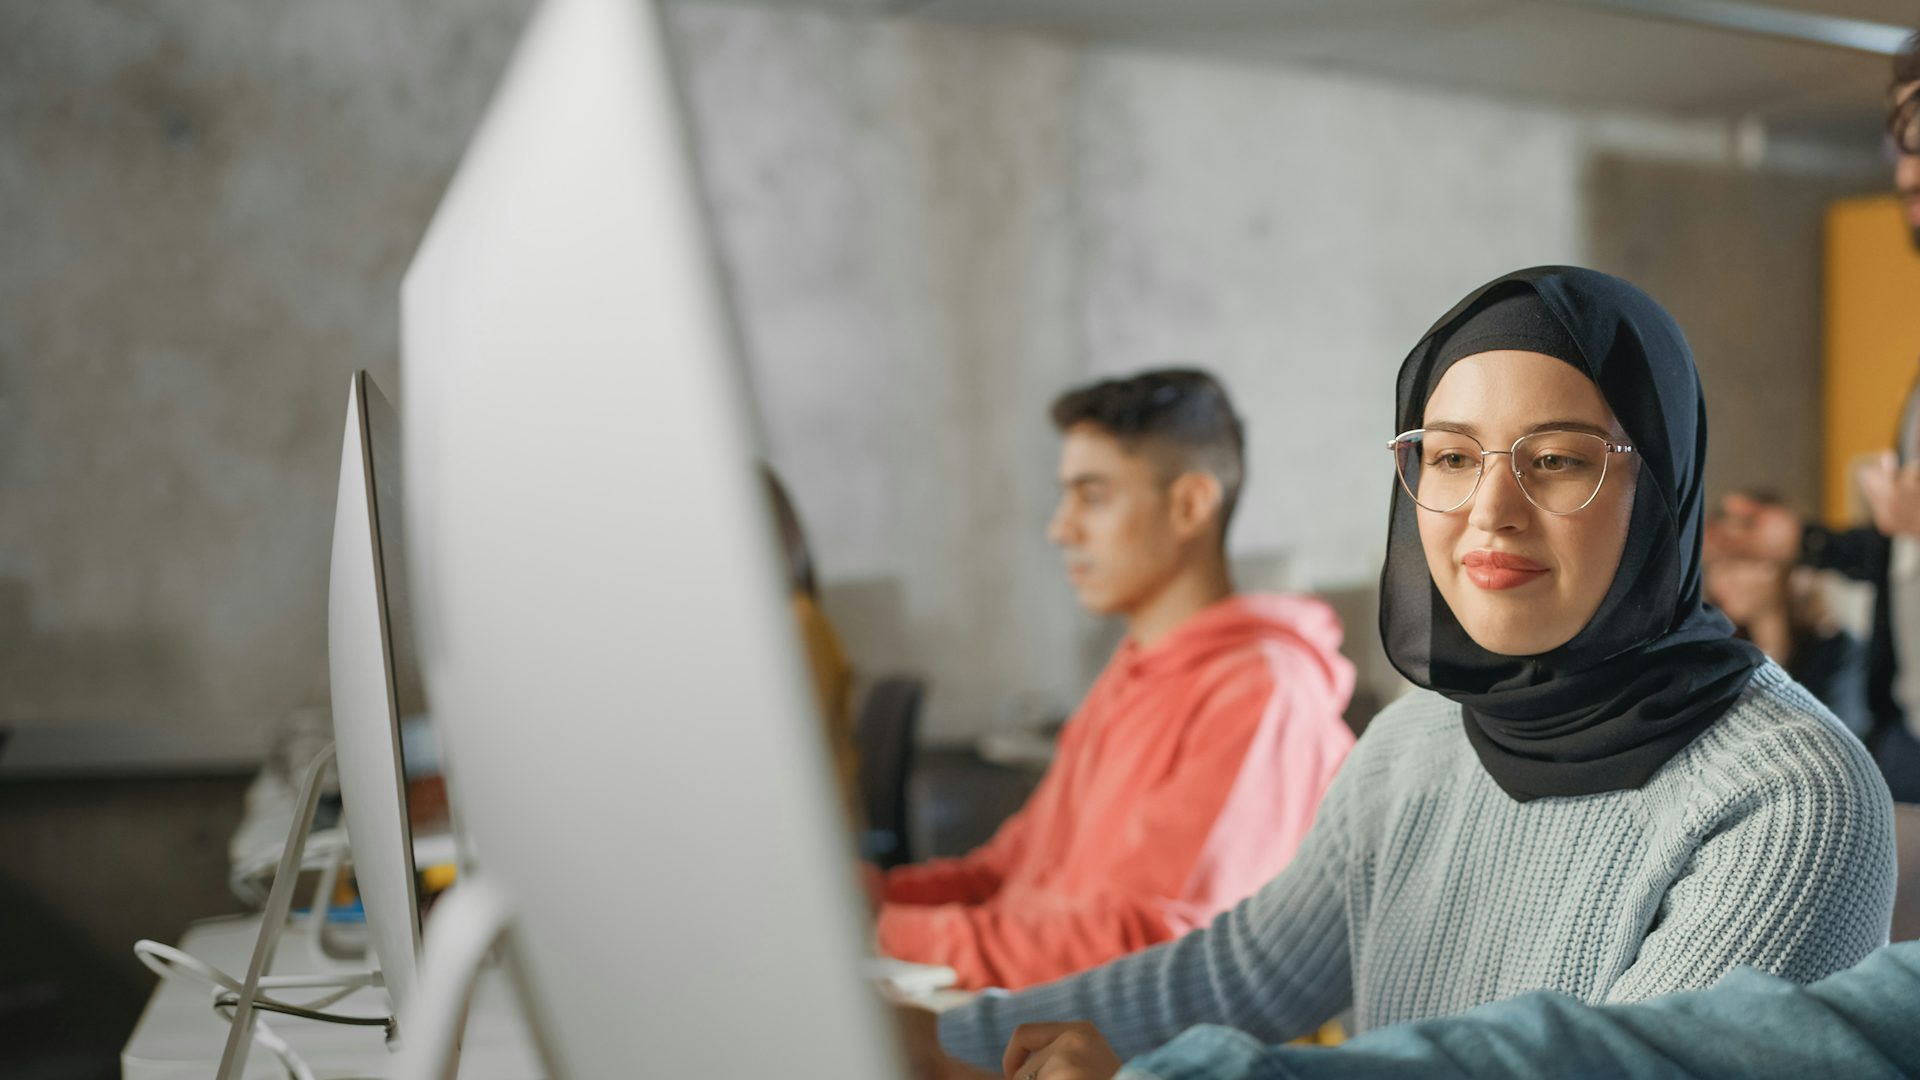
column 1906, row 62
column 1180, row 415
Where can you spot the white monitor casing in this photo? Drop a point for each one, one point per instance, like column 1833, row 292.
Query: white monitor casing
column 362, row 640
column 630, row 744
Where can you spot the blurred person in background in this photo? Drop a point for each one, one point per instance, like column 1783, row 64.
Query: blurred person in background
column 1780, row 608
column 831, row 674
column 1195, row 764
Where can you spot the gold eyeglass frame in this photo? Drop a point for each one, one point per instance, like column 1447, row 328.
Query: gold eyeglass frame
column 1481, row 469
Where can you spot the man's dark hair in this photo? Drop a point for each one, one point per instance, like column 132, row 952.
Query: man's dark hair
column 1180, row 415
column 1906, row 62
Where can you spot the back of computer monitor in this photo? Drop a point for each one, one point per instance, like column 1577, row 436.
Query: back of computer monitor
column 369, row 657
column 628, row 737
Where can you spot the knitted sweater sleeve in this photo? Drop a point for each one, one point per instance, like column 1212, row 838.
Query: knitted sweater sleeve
column 1794, row 875
column 1276, row 966
column 1856, row 1024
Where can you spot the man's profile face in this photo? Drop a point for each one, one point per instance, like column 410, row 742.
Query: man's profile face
column 1114, row 523
column 1906, row 168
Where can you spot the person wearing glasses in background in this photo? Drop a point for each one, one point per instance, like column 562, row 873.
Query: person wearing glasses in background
column 1598, row 790
column 1887, row 555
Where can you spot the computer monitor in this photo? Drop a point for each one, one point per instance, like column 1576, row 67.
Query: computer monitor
column 635, row 760
column 375, row 680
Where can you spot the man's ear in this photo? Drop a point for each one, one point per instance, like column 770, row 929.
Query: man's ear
column 1194, row 500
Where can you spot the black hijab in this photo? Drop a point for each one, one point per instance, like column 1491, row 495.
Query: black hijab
column 1654, row 666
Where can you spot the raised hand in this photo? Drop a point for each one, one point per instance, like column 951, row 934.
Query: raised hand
column 1893, row 494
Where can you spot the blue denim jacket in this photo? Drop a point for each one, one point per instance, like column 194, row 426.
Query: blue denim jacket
column 1862, row 1023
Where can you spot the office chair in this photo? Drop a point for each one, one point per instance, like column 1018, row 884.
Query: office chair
column 886, row 734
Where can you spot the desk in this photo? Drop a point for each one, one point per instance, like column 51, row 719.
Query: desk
column 1019, row 748
column 179, row 1037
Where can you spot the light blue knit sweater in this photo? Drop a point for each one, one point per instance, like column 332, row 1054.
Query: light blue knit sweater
column 1423, row 889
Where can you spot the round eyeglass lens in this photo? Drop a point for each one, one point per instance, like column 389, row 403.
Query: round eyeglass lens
column 1560, row 471
column 1439, row 469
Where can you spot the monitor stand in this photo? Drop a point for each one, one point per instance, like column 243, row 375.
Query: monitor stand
column 471, row 921
column 273, row 919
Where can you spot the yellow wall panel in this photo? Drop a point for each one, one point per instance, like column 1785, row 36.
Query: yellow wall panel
column 1872, row 338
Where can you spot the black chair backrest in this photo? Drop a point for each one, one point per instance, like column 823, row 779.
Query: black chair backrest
column 886, row 734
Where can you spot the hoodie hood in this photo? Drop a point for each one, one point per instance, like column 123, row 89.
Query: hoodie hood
column 1307, row 628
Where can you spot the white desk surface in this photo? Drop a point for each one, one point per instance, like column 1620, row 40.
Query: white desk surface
column 180, row 1037
column 1018, row 748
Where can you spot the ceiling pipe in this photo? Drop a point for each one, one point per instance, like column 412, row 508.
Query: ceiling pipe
column 1858, row 35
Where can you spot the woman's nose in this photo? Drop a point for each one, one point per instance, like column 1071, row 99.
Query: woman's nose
column 1499, row 505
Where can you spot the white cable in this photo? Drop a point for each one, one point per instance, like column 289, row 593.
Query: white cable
column 171, row 963
column 262, row 1034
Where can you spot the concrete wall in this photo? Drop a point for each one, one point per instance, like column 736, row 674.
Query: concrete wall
column 205, row 216
column 895, row 202
column 930, row 229
column 933, row 230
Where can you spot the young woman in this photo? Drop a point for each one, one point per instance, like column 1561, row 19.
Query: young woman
column 1598, row 789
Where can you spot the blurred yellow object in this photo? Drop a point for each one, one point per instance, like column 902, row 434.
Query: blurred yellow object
column 1330, row 1034
column 439, row 877
column 833, row 688
column 1872, row 339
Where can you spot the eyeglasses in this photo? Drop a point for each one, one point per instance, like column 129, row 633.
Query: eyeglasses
column 1558, row 471
column 1903, row 124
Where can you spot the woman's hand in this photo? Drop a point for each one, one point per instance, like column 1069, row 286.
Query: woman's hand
column 1074, row 1051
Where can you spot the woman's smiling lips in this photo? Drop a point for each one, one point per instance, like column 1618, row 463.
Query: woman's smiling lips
column 1500, row 570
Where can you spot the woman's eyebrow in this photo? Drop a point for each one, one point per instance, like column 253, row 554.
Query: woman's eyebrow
column 1572, row 425
column 1463, row 428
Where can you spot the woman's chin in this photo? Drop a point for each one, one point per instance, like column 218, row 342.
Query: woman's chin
column 1506, row 639
column 1507, row 623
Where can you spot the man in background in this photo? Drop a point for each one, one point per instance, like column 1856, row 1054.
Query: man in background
column 1192, row 770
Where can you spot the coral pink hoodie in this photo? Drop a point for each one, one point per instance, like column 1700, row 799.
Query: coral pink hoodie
column 1185, row 781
